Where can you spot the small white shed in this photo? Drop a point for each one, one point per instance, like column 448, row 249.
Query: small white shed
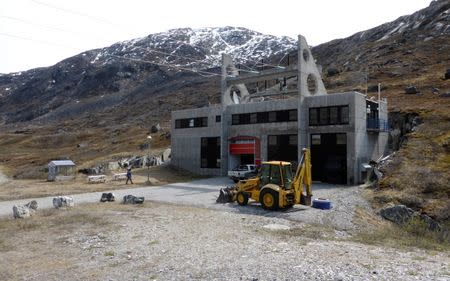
column 60, row 170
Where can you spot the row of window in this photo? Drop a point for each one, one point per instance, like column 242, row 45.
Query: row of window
column 331, row 115
column 191, row 122
column 318, row 116
column 264, row 117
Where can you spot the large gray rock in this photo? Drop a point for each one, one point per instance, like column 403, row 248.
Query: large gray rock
column 63, row 201
column 399, row 214
column 410, row 90
column 155, row 128
column 26, row 210
column 20, row 212
column 431, row 224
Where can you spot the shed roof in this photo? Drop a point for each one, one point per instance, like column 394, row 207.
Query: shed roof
column 61, row 163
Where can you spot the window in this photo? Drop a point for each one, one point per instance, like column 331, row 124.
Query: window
column 272, row 116
column 293, row 140
column 331, row 115
column 235, row 119
column 218, row 118
column 341, row 139
column 323, row 116
column 264, row 117
column 315, row 140
column 191, row 122
column 313, row 120
column 344, row 115
column 334, row 116
column 293, row 115
column 273, row 140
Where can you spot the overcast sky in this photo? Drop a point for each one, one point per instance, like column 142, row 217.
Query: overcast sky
column 36, row 33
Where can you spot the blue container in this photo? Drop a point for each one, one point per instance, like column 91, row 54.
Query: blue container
column 321, row 203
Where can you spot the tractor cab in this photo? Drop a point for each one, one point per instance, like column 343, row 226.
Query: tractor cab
column 275, row 172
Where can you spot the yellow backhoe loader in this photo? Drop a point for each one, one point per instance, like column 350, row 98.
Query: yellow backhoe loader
column 274, row 186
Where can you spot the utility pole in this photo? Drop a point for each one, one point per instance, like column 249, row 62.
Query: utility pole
column 149, row 138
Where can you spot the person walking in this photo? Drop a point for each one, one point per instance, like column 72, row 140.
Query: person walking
column 129, row 176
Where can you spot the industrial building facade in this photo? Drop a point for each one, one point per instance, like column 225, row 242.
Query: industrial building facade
column 272, row 114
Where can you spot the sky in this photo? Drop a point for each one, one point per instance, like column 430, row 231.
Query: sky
column 36, row 33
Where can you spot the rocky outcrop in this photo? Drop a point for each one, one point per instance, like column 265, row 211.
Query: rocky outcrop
column 401, row 215
column 411, row 90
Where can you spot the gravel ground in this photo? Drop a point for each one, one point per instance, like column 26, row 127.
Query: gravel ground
column 159, row 241
column 203, row 193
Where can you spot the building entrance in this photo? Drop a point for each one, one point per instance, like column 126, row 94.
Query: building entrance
column 329, row 158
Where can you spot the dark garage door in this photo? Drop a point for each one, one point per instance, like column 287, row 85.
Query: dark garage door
column 282, row 148
column 329, row 158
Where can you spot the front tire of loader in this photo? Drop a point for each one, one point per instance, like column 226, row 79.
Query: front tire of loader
column 269, row 199
column 242, row 198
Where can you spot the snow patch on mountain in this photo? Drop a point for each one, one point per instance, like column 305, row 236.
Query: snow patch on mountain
column 199, row 48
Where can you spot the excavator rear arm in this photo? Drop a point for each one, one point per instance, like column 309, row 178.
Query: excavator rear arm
column 303, row 177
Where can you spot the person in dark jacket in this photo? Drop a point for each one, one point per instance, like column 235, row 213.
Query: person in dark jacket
column 129, row 176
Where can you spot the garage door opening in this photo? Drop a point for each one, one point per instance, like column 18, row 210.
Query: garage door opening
column 282, row 148
column 244, row 150
column 329, row 158
column 210, row 152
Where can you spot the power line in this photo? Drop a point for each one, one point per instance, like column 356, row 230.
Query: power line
column 200, row 72
column 45, row 26
column 75, row 13
column 38, row 41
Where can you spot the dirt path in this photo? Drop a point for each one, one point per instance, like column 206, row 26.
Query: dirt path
column 203, row 193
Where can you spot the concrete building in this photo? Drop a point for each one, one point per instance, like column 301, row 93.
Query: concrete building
column 272, row 114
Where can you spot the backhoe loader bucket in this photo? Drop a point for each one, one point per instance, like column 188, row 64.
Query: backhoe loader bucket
column 226, row 195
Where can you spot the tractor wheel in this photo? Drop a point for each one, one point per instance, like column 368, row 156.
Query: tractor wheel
column 269, row 199
column 242, row 198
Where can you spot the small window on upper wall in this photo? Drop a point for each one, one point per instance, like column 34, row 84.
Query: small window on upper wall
column 341, row 139
column 273, row 140
column 218, row 118
column 315, row 140
column 272, row 116
column 191, row 123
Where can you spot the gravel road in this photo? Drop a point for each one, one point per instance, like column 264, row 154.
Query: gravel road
column 203, row 193
column 157, row 241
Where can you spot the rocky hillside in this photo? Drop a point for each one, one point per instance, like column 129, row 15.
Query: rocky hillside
column 131, row 71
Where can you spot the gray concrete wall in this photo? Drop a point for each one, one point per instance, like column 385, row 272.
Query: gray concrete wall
column 369, row 145
column 186, row 142
column 261, row 130
column 350, row 99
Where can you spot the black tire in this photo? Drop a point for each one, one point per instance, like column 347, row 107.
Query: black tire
column 266, row 202
column 242, row 198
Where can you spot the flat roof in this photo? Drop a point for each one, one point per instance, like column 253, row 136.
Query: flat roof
column 61, row 163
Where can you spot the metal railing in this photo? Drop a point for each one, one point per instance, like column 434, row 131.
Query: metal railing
column 376, row 124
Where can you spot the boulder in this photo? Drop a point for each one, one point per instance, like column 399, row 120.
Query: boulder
column 26, row 210
column 131, row 199
column 332, row 71
column 399, row 214
column 108, row 197
column 411, row 90
column 62, row 201
column 155, row 128
column 20, row 212
column 447, row 74
column 32, row 205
